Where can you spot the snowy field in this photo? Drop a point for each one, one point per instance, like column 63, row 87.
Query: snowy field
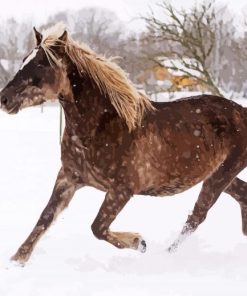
column 69, row 261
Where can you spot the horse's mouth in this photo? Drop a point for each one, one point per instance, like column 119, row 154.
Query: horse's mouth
column 13, row 110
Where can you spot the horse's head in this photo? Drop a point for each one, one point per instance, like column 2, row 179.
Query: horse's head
column 59, row 67
column 37, row 80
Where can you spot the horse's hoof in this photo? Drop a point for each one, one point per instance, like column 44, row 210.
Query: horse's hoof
column 172, row 249
column 20, row 259
column 142, row 247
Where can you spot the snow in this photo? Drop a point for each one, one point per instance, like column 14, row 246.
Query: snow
column 180, row 67
column 5, row 63
column 70, row 261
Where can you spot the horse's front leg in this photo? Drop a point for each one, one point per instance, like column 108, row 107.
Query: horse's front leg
column 62, row 194
column 112, row 205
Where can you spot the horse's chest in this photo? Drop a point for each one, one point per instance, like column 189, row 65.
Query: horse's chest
column 82, row 161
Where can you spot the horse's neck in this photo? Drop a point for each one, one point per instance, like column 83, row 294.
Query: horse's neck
column 83, row 106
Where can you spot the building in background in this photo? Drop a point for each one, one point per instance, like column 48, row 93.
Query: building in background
column 170, row 77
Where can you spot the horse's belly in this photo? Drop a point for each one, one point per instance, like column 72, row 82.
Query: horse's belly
column 174, row 187
column 173, row 175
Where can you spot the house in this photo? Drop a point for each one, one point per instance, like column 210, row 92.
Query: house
column 170, row 77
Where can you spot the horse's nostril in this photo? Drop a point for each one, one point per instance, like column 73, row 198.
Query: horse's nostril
column 4, row 100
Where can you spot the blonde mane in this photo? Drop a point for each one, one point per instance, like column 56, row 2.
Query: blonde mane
column 111, row 80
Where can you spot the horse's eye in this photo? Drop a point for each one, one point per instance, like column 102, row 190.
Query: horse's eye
column 36, row 80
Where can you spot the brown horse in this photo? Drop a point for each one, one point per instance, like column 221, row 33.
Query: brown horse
column 116, row 140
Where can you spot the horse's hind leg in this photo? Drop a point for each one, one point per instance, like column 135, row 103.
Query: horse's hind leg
column 211, row 190
column 112, row 205
column 238, row 190
column 62, row 194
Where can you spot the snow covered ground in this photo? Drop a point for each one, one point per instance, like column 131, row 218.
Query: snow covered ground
column 69, row 261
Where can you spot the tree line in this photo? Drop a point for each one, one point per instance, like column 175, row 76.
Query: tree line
column 206, row 35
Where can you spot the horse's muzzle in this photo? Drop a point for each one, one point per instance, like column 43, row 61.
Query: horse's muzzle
column 3, row 100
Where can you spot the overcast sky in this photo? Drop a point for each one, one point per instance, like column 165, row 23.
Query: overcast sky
column 38, row 10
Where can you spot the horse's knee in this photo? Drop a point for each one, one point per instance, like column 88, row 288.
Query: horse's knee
column 97, row 231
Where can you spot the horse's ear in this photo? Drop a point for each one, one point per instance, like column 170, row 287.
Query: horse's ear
column 64, row 36
column 38, row 36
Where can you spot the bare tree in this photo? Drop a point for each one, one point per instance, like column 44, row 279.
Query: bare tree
column 189, row 35
column 13, row 38
column 241, row 49
column 99, row 28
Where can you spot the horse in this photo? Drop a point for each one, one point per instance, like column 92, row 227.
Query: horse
column 120, row 142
